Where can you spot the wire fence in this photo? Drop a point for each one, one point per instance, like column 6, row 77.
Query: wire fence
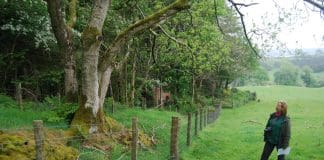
column 57, row 142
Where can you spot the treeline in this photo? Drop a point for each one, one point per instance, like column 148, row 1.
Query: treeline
column 300, row 70
column 184, row 55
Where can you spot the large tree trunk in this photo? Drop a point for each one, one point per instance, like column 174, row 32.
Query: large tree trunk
column 70, row 79
column 63, row 33
column 90, row 115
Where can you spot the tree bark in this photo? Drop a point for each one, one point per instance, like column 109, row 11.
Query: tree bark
column 90, row 114
column 64, row 37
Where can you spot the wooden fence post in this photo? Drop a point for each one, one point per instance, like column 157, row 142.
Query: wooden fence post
column 19, row 95
column 196, row 123
column 204, row 120
column 189, row 130
column 174, row 154
column 201, row 119
column 39, row 139
column 134, row 138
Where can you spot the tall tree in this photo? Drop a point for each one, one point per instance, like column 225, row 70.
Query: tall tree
column 62, row 28
column 97, row 68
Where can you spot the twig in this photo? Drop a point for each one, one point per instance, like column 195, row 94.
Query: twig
column 122, row 156
column 246, row 5
column 95, row 148
column 243, row 25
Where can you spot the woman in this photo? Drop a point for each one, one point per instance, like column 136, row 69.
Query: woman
column 277, row 131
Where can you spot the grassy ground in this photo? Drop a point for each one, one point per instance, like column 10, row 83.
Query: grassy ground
column 152, row 122
column 237, row 135
column 155, row 123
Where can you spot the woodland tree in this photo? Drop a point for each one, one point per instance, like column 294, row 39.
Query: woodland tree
column 96, row 67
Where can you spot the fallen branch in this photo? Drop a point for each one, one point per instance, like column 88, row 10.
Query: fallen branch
column 251, row 121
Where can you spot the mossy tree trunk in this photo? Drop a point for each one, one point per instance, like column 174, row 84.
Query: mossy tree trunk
column 62, row 29
column 97, row 71
column 90, row 115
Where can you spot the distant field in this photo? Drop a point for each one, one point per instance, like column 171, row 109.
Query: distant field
column 237, row 135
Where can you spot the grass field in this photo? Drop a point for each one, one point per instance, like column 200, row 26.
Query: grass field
column 237, row 135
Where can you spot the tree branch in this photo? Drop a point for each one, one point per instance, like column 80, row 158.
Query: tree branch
column 217, row 20
column 141, row 25
column 172, row 38
column 244, row 28
column 245, row 5
column 320, row 6
column 72, row 13
column 60, row 28
column 163, row 31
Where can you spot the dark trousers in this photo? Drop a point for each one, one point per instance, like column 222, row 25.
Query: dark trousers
column 267, row 150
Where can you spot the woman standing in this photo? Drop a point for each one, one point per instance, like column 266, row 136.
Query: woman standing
column 277, row 131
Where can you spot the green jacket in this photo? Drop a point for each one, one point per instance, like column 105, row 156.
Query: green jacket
column 283, row 136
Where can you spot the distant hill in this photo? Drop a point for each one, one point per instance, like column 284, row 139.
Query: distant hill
column 315, row 61
column 292, row 52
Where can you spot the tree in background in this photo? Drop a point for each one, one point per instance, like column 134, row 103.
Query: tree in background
column 287, row 74
column 307, row 77
column 257, row 77
column 28, row 54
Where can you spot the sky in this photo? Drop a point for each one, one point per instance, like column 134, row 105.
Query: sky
column 303, row 29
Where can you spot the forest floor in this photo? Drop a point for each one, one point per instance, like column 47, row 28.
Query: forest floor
column 238, row 133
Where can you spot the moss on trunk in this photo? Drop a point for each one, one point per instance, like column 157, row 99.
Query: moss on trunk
column 85, row 123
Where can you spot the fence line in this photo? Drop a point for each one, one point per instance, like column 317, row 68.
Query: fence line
column 183, row 129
